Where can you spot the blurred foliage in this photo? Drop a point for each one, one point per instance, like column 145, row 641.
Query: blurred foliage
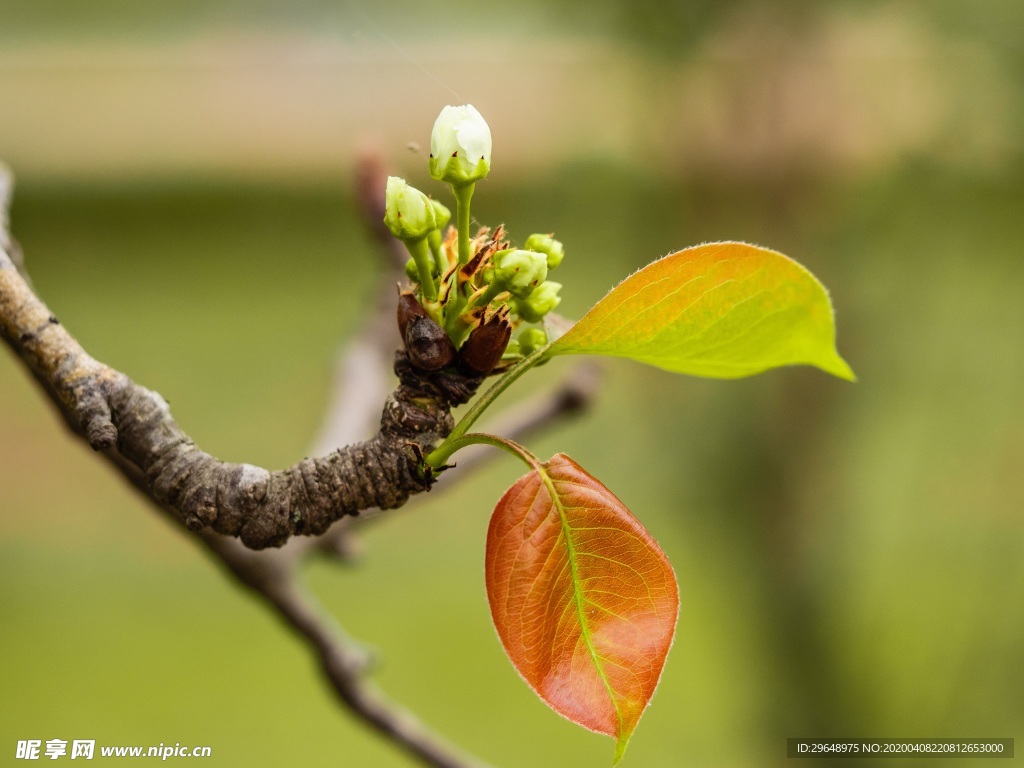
column 659, row 27
column 850, row 557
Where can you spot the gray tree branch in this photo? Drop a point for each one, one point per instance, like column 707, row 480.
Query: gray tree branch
column 133, row 428
column 263, row 508
column 113, row 414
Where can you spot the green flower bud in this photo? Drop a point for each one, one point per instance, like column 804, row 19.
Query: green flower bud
column 532, row 339
column 547, row 245
column 412, row 270
column 519, row 272
column 441, row 214
column 460, row 146
column 408, row 213
column 543, row 299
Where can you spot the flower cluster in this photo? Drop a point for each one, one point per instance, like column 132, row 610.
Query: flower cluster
column 470, row 291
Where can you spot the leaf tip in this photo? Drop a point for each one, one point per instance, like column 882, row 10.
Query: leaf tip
column 620, row 747
column 838, row 367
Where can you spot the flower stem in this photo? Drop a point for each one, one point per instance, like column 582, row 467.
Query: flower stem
column 434, row 240
column 453, row 310
column 424, row 264
column 463, row 196
column 490, row 294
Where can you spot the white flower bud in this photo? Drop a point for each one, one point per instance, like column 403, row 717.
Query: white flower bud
column 408, row 212
column 460, row 146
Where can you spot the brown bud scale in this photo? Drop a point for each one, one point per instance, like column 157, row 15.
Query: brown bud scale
column 486, row 344
column 427, row 345
column 408, row 308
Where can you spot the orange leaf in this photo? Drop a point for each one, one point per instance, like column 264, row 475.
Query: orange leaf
column 584, row 600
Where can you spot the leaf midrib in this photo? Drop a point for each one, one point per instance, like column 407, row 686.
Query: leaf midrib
column 577, row 596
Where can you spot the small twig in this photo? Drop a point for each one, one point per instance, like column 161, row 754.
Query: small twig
column 6, row 195
column 7, row 242
column 271, row 575
column 362, row 373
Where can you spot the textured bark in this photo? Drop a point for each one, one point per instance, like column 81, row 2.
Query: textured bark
column 263, row 508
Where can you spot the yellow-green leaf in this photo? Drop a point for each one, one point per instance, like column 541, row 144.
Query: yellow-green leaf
column 724, row 310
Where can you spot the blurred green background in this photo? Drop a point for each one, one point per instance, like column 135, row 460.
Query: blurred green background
column 850, row 557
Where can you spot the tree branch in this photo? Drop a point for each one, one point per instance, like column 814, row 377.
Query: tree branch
column 271, row 574
column 111, row 411
column 133, row 428
column 262, row 508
